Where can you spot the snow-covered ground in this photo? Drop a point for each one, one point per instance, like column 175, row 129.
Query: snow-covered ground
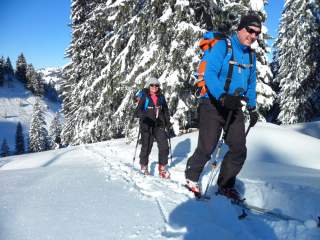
column 91, row 192
column 16, row 104
column 311, row 128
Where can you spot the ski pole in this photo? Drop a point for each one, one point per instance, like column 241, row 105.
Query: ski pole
column 167, row 130
column 248, row 130
column 135, row 151
column 215, row 164
column 170, row 149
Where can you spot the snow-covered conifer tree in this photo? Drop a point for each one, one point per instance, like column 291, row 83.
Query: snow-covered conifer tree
column 30, row 75
column 38, row 135
column 55, row 128
column 297, row 61
column 9, row 72
column 34, row 81
column 77, row 69
column 117, row 45
column 20, row 149
column 2, row 71
column 38, row 85
column 21, row 69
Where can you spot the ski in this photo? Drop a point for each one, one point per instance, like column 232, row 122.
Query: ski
column 245, row 207
column 263, row 211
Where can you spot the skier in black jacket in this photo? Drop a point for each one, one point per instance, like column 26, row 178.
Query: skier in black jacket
column 154, row 117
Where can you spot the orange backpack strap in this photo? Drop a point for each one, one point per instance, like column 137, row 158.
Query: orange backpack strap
column 204, row 45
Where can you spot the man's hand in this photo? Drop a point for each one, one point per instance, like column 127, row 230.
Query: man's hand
column 231, row 102
column 254, row 116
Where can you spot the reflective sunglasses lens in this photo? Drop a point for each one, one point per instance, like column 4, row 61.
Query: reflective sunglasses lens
column 250, row 30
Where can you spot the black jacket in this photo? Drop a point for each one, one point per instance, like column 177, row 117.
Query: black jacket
column 146, row 110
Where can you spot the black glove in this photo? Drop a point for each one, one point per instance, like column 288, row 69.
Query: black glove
column 254, row 116
column 231, row 102
column 159, row 123
column 148, row 121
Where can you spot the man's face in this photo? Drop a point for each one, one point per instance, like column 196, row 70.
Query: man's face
column 248, row 35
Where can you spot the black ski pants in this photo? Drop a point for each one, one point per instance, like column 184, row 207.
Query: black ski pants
column 148, row 134
column 212, row 118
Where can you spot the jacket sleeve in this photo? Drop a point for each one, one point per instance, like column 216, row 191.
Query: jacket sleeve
column 251, row 92
column 215, row 60
column 140, row 112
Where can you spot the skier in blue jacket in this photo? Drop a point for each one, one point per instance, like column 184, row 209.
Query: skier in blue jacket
column 222, row 97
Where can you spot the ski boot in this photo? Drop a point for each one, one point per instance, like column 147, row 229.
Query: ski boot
column 230, row 193
column 193, row 187
column 144, row 170
column 163, row 172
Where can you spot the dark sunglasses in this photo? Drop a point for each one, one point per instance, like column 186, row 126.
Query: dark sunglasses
column 154, row 85
column 250, row 30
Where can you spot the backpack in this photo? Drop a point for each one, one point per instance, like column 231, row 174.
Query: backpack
column 204, row 47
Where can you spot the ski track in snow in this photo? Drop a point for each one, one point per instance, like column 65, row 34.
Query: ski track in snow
column 150, row 187
column 168, row 194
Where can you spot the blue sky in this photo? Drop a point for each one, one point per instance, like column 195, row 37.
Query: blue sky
column 39, row 29
column 274, row 10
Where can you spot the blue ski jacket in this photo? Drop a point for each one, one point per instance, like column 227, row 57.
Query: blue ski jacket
column 217, row 70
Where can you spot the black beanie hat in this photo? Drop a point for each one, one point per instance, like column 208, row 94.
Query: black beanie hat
column 249, row 20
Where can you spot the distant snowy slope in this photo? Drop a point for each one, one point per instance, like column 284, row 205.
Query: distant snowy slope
column 284, row 145
column 310, row 128
column 52, row 76
column 92, row 192
column 16, row 104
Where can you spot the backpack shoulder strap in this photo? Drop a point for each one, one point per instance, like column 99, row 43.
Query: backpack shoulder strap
column 230, row 69
column 251, row 56
column 231, row 64
column 146, row 103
